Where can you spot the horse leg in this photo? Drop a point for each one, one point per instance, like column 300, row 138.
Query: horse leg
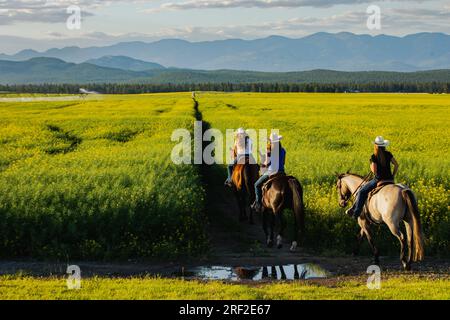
column 366, row 229
column 269, row 242
column 250, row 191
column 409, row 241
column 395, row 230
column 271, row 228
column 250, row 220
column 264, row 218
column 359, row 239
column 241, row 204
column 243, row 208
column 282, row 226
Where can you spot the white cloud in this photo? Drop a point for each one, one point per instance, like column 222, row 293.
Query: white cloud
column 262, row 4
column 50, row 11
column 394, row 21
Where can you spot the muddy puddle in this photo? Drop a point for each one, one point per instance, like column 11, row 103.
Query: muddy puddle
column 281, row 272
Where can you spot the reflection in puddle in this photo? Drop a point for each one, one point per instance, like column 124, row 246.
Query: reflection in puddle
column 286, row 272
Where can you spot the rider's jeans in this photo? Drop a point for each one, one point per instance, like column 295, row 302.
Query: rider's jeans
column 258, row 186
column 363, row 194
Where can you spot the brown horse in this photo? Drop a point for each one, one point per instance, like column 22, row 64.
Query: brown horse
column 392, row 204
column 279, row 193
column 244, row 177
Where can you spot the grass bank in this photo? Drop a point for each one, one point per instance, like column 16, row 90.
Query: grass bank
column 396, row 287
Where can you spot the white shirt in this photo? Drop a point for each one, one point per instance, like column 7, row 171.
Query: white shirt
column 243, row 148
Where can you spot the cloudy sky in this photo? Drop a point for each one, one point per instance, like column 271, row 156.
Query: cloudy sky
column 41, row 24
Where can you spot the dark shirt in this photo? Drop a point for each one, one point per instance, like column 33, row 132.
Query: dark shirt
column 383, row 172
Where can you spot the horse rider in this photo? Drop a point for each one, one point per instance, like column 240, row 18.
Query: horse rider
column 380, row 165
column 242, row 149
column 274, row 162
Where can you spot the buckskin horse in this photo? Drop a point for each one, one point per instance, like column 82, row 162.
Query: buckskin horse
column 243, row 178
column 282, row 192
column 391, row 204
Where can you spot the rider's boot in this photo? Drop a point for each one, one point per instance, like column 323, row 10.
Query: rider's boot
column 350, row 211
column 256, row 206
column 228, row 182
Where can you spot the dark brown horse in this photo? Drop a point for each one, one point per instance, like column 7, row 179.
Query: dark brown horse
column 279, row 193
column 244, row 178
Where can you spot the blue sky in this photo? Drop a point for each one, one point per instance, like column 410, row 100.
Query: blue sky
column 41, row 24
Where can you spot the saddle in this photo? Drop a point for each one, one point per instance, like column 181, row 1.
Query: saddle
column 279, row 175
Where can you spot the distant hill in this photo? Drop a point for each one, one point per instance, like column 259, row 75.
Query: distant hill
column 341, row 51
column 125, row 63
column 51, row 70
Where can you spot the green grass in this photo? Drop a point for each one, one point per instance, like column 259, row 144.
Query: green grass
column 400, row 287
column 94, row 179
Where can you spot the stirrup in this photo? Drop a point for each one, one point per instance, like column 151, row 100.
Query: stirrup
column 256, row 206
column 350, row 212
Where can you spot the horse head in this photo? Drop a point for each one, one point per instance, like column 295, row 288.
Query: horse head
column 343, row 190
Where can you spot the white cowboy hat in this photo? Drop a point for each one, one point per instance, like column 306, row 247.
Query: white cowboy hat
column 379, row 141
column 275, row 137
column 240, row 131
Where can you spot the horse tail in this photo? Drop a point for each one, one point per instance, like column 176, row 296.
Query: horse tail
column 250, row 177
column 298, row 205
column 418, row 246
column 237, row 176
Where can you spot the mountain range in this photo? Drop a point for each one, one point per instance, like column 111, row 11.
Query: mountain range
column 125, row 63
column 341, row 51
column 52, row 70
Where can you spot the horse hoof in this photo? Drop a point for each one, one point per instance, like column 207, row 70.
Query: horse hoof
column 293, row 246
column 269, row 243
column 279, row 242
column 406, row 267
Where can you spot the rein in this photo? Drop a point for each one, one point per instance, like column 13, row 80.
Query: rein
column 362, row 182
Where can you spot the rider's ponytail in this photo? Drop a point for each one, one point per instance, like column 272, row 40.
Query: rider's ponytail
column 380, row 153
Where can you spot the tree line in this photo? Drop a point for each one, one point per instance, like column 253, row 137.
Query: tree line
column 129, row 88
